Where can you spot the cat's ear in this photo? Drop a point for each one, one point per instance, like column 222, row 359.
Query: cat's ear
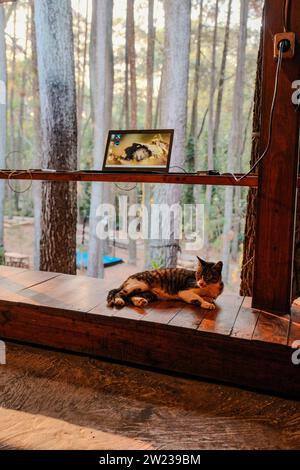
column 201, row 261
column 219, row 266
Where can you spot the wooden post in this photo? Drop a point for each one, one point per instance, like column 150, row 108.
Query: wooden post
column 277, row 181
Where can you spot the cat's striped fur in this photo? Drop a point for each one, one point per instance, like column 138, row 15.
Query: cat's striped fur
column 199, row 287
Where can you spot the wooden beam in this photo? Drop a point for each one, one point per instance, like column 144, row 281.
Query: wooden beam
column 277, row 182
column 129, row 177
column 250, row 181
column 163, row 346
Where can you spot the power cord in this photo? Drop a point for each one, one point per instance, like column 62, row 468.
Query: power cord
column 285, row 13
column 270, row 132
column 155, row 173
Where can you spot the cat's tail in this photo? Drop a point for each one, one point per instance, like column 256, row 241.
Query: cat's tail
column 114, row 298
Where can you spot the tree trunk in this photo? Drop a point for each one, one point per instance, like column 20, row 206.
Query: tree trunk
column 211, row 117
column 150, row 64
column 55, row 53
column 132, row 253
column 132, row 63
column 236, row 133
column 173, row 112
column 192, row 142
column 101, row 72
column 37, row 143
column 21, row 95
column 158, row 102
column 222, row 80
column 2, row 117
column 237, row 223
column 194, row 115
column 149, row 115
column 126, row 77
column 249, row 238
column 12, row 146
column 81, row 78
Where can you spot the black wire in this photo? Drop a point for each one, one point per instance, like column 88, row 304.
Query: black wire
column 126, row 189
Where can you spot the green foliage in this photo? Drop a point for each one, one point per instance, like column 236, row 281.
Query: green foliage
column 157, row 264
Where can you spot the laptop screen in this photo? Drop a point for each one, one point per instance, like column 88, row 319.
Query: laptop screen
column 138, row 150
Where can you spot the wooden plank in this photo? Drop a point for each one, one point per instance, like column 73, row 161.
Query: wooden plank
column 221, row 320
column 246, row 320
column 129, row 311
column 22, row 279
column 27, row 278
column 294, row 332
column 130, row 177
column 166, row 336
column 189, row 317
column 70, row 292
column 272, row 284
column 49, row 293
column 9, row 271
column 199, row 353
column 162, row 312
column 272, row 328
column 102, row 309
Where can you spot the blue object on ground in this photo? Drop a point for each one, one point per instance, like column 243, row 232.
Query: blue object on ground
column 83, row 257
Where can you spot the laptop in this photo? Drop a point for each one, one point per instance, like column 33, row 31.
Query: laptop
column 143, row 151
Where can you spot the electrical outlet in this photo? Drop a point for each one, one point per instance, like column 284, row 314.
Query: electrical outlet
column 290, row 41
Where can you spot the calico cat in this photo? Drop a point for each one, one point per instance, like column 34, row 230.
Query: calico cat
column 200, row 287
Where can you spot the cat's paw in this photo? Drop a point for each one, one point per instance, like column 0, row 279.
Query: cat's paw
column 119, row 302
column 139, row 302
column 208, row 305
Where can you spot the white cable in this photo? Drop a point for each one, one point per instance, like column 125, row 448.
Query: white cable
column 237, row 179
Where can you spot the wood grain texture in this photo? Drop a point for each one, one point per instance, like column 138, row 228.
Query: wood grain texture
column 198, row 353
column 221, row 320
column 271, row 328
column 188, row 317
column 130, row 177
column 162, row 312
column 74, row 400
column 272, row 285
column 69, row 312
column 8, row 271
column 245, row 321
column 26, row 431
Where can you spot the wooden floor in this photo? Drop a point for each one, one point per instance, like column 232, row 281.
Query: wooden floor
column 234, row 343
column 56, row 400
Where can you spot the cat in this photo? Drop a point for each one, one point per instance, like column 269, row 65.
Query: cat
column 137, row 152
column 200, row 287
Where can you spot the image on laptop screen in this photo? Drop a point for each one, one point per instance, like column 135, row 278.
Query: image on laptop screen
column 138, row 150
